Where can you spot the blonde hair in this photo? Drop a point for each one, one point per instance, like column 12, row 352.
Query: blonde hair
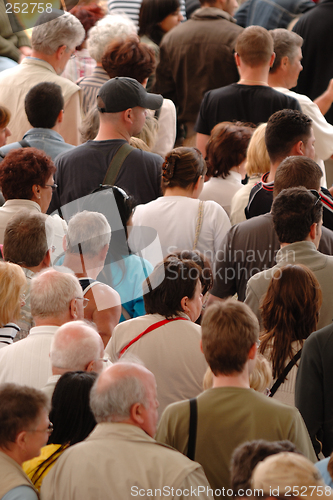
column 12, row 281
column 257, row 159
column 260, row 378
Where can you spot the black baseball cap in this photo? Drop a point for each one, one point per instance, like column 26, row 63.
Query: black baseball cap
column 121, row 93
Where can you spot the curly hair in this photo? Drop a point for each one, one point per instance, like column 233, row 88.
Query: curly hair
column 23, row 168
column 129, row 58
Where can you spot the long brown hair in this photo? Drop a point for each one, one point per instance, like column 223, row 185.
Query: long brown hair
column 289, row 311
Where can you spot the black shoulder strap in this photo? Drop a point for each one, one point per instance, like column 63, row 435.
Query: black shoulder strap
column 285, row 372
column 192, row 428
column 116, row 164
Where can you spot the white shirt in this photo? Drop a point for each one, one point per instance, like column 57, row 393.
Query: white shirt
column 222, row 190
column 174, row 218
column 27, row 361
column 322, row 130
column 240, row 200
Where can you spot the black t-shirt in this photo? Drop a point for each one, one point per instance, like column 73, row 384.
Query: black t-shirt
column 246, row 103
column 83, row 169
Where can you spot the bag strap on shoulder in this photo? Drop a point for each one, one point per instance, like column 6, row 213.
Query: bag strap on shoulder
column 116, row 164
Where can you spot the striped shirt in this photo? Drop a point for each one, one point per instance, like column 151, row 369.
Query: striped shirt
column 132, row 8
column 8, row 333
column 90, row 87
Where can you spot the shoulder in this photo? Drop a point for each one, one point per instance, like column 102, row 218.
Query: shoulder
column 146, row 157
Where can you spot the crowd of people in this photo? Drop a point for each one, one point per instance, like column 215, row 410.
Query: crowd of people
column 166, row 250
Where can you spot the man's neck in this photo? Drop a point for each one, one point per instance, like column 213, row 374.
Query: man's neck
column 254, row 76
column 276, row 80
column 44, row 57
column 272, row 172
column 107, row 132
column 91, row 270
column 234, row 380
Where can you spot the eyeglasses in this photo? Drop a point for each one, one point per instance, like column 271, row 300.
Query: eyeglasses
column 317, row 196
column 49, row 429
column 85, row 301
column 52, row 186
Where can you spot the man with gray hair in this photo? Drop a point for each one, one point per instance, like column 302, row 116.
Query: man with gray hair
column 54, row 38
column 283, row 76
column 87, row 244
column 76, row 346
column 120, row 457
column 55, row 299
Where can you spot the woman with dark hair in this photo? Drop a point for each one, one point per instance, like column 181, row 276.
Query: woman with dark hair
column 133, row 59
column 167, row 340
column 72, row 421
column 82, row 64
column 123, row 270
column 226, row 158
column 290, row 311
column 157, row 17
column 26, row 182
column 4, row 130
column 180, row 220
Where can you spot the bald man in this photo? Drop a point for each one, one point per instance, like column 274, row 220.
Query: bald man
column 76, row 346
column 106, row 465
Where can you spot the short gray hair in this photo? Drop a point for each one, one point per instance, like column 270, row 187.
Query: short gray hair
column 89, row 229
column 105, row 31
column 286, row 43
column 63, row 30
column 75, row 345
column 113, row 403
column 51, row 293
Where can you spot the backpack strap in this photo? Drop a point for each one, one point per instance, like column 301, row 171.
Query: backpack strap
column 116, row 164
column 192, row 434
column 285, row 372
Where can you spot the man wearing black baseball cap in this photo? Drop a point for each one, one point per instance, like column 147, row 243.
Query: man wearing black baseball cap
column 109, row 159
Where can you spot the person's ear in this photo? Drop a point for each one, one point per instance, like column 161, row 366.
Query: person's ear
column 73, row 309
column 60, row 51
column 47, row 259
column 272, row 59
column 21, row 440
column 313, row 231
column 127, row 115
column 36, row 191
column 237, row 59
column 297, row 149
column 60, row 116
column 183, row 304
column 253, row 351
column 136, row 413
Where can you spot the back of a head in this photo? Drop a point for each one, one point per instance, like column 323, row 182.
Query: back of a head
column 226, row 147
column 70, row 414
column 21, row 169
column 43, row 104
column 129, row 58
column 111, row 27
column 255, row 46
column 19, row 409
column 51, row 293
column 12, row 285
column 25, row 239
column 286, row 470
column 295, row 171
column 74, row 346
column 257, row 159
column 229, row 330
column 54, row 31
column 153, row 12
column 112, row 397
column 88, row 15
column 286, row 43
column 182, row 168
column 88, row 232
column 248, row 455
column 284, row 129
column 4, row 116
column 170, row 281
column 294, row 211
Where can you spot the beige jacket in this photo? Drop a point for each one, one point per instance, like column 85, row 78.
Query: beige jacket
column 15, row 83
column 12, row 475
column 117, row 461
